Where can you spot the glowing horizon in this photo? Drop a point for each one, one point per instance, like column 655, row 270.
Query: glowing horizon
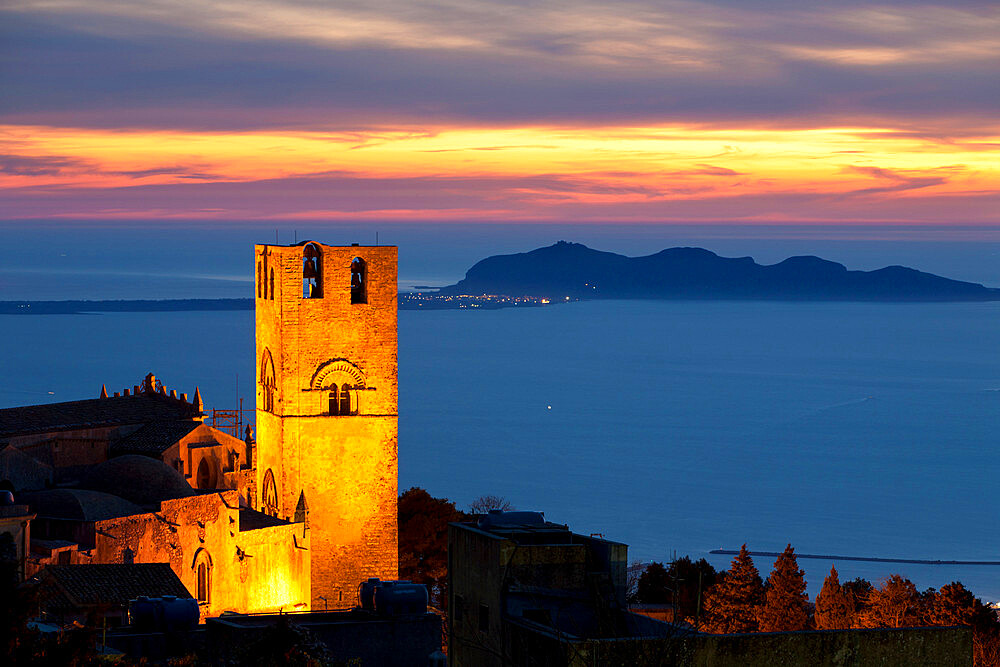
column 651, row 112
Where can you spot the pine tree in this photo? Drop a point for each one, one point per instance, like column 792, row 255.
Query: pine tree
column 731, row 604
column 785, row 601
column 896, row 604
column 834, row 607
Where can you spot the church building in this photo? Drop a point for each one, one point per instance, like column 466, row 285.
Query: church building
column 293, row 520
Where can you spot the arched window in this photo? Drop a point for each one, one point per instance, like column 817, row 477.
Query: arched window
column 271, row 290
column 206, row 480
column 334, row 406
column 267, row 382
column 345, row 400
column 202, row 582
column 260, row 281
column 312, row 286
column 339, row 401
column 359, row 281
column 203, row 575
column 269, row 494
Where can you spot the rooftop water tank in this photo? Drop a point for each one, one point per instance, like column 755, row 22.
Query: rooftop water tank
column 163, row 614
column 393, row 598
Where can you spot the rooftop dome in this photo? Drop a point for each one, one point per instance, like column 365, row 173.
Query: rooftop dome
column 78, row 505
column 139, row 479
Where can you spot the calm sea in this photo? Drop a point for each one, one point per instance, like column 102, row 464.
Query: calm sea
column 848, row 429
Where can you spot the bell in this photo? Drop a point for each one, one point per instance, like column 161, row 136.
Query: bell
column 309, row 269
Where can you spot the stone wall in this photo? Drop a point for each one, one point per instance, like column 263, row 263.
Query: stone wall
column 258, row 570
column 928, row 647
column 343, row 466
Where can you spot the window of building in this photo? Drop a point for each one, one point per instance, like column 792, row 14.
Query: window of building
column 269, row 494
column 128, row 556
column 270, row 292
column 205, row 476
column 339, row 401
column 359, row 281
column 312, row 287
column 345, row 400
column 203, row 574
column 202, row 582
column 484, row 618
column 267, row 381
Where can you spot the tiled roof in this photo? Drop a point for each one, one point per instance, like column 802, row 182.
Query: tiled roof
column 153, row 439
column 252, row 520
column 92, row 413
column 114, row 584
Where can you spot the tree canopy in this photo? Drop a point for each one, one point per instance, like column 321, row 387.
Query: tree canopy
column 785, row 605
column 731, row 604
column 423, row 539
column 895, row 604
column 834, row 607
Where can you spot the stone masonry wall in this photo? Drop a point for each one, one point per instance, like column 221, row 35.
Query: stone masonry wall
column 346, row 466
column 259, row 570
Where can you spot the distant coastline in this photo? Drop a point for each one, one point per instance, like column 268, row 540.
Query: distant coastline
column 570, row 271
column 566, row 272
column 28, row 307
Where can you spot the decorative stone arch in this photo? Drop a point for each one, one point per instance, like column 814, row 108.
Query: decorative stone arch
column 268, row 383
column 269, row 494
column 337, row 371
column 202, row 566
column 339, row 383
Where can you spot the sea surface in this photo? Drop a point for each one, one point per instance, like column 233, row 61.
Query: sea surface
column 675, row 427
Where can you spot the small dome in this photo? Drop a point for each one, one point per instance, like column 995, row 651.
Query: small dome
column 78, row 505
column 139, row 479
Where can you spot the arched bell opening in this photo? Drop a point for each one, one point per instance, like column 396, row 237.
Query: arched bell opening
column 312, row 286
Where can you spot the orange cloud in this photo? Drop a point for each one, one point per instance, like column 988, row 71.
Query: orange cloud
column 539, row 172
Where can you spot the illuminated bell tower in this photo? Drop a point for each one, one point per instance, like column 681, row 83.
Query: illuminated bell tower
column 327, row 406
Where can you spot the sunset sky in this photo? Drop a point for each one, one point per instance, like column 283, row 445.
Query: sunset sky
column 464, row 111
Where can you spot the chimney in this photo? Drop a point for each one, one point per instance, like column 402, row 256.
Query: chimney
column 116, row 394
column 184, row 397
column 173, row 393
column 125, row 392
column 135, row 389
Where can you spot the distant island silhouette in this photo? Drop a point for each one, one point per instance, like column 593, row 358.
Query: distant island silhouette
column 575, row 271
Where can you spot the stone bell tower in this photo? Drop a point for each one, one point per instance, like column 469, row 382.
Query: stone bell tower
column 327, row 406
